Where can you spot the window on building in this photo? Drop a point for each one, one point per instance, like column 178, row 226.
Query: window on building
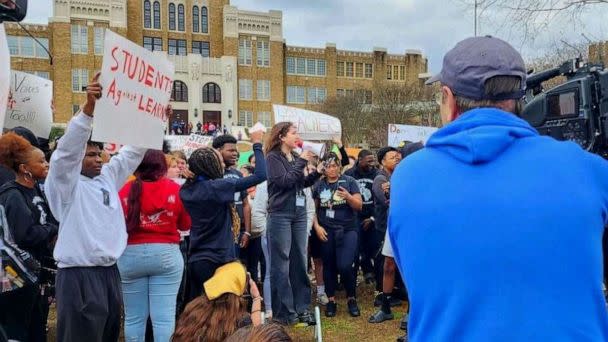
column 27, row 47
column 263, row 90
column 99, row 37
column 147, row 14
column 316, row 95
column 80, row 41
column 43, row 74
column 245, row 118
column 368, row 97
column 179, row 93
column 359, row 70
column 349, row 69
column 290, row 65
column 195, row 19
column 153, row 43
column 340, row 92
column 311, row 66
column 245, row 89
column 264, row 118
column 80, row 79
column 296, row 94
column 363, row 96
column 181, row 18
column 340, row 69
column 369, row 70
column 75, row 108
column 201, row 48
column 156, row 15
column 301, row 66
column 349, row 93
column 204, row 20
column 321, row 69
column 395, row 72
column 389, row 72
column 13, row 45
column 245, row 51
column 177, row 47
column 172, row 17
column 402, row 72
column 212, row 93
column 263, row 53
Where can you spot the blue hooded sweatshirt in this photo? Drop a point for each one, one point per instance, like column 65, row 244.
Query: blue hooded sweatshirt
column 498, row 234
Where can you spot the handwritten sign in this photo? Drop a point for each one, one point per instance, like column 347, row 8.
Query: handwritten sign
column 399, row 133
column 311, row 125
column 5, row 71
column 136, row 90
column 196, row 141
column 29, row 103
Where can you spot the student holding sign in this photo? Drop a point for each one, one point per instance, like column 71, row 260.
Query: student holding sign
column 83, row 196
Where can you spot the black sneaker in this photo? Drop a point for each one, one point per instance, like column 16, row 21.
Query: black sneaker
column 330, row 309
column 380, row 316
column 306, row 318
column 353, row 308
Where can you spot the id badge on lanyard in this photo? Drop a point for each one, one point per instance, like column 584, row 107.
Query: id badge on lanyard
column 300, row 200
column 330, row 213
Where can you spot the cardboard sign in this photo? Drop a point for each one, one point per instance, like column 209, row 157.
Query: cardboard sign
column 5, row 72
column 136, row 91
column 399, row 133
column 311, row 125
column 29, row 104
column 196, row 141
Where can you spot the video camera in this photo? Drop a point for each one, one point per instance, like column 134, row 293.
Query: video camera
column 576, row 110
column 12, row 10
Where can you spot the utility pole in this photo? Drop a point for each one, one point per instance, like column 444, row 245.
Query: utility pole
column 475, row 18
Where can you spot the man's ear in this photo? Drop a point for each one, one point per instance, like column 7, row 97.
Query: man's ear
column 449, row 101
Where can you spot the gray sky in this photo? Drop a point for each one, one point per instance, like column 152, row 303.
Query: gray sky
column 433, row 26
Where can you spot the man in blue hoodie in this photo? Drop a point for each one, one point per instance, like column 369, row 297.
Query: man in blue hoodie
column 496, row 229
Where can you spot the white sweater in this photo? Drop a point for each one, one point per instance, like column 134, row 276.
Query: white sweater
column 91, row 233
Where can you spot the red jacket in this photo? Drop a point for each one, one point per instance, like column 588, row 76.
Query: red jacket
column 162, row 212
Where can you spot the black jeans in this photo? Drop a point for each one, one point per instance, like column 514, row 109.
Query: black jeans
column 251, row 256
column 16, row 309
column 89, row 304
column 339, row 252
column 198, row 273
column 366, row 247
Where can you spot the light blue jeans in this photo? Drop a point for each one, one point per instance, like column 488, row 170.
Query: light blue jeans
column 150, row 276
column 267, row 293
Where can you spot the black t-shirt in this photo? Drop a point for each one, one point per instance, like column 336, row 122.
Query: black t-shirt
column 333, row 211
column 366, row 182
column 238, row 196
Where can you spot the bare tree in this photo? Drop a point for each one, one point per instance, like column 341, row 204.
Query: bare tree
column 367, row 123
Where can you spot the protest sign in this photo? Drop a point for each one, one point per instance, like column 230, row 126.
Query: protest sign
column 176, row 142
column 399, row 133
column 5, row 72
column 311, row 125
column 196, row 141
column 29, row 105
column 111, row 148
column 136, row 90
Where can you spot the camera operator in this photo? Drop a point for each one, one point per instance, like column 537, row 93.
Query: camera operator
column 504, row 240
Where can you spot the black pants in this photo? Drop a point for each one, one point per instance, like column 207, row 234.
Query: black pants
column 377, row 242
column 366, row 247
column 16, row 309
column 198, row 273
column 251, row 256
column 89, row 304
column 339, row 252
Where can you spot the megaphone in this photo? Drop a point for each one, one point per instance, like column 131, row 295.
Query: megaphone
column 318, row 149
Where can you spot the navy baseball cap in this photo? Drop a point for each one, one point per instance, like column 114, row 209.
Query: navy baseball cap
column 473, row 61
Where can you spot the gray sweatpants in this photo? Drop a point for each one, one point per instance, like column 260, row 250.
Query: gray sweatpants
column 89, row 304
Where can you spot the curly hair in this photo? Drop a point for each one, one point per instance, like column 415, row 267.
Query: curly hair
column 14, row 151
column 260, row 333
column 278, row 131
column 210, row 320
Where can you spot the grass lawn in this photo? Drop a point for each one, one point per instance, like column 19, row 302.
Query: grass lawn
column 340, row 328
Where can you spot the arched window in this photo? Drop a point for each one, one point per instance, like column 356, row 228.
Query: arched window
column 212, row 93
column 204, row 20
column 157, row 15
column 147, row 15
column 171, row 16
column 180, row 18
column 195, row 22
column 179, row 92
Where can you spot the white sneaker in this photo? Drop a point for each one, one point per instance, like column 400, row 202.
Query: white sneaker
column 322, row 299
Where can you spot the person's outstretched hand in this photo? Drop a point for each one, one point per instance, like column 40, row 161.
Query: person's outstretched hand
column 93, row 93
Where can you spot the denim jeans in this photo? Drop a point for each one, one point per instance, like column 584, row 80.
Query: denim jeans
column 151, row 275
column 290, row 286
column 267, row 291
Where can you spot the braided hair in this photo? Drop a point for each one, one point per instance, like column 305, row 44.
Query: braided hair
column 205, row 162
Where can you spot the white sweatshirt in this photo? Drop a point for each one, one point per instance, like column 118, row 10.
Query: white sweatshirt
column 91, row 232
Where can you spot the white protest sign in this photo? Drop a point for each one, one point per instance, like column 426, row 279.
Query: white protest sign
column 196, row 141
column 29, row 105
column 399, row 133
column 136, row 90
column 176, row 142
column 111, row 148
column 5, row 72
column 311, row 125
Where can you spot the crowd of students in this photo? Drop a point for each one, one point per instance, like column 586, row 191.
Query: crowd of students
column 159, row 234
